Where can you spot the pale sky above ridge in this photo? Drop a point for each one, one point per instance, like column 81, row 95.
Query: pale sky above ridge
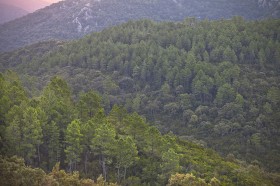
column 29, row 5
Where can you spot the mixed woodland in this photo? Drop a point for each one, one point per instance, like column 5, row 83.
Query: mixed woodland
column 53, row 131
column 146, row 103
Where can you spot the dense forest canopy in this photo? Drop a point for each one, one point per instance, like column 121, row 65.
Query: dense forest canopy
column 214, row 84
column 119, row 145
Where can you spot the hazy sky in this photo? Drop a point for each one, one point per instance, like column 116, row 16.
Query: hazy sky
column 52, row 1
column 29, row 5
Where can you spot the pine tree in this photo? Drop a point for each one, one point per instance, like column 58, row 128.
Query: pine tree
column 52, row 140
column 24, row 132
column 125, row 154
column 57, row 105
column 102, row 145
column 73, row 144
column 89, row 104
column 32, row 132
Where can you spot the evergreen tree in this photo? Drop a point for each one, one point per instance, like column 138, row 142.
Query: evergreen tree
column 125, row 154
column 73, row 144
column 102, row 145
column 89, row 104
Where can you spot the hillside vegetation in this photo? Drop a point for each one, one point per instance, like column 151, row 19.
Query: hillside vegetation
column 121, row 146
column 215, row 83
column 71, row 19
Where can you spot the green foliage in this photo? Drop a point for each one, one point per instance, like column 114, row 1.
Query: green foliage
column 13, row 171
column 73, row 144
column 51, row 136
column 121, row 146
column 126, row 155
column 32, row 133
column 58, row 110
column 103, row 143
column 225, row 95
column 161, row 70
column 89, row 104
column 24, row 134
column 11, row 94
column 171, row 163
column 273, row 95
column 186, row 180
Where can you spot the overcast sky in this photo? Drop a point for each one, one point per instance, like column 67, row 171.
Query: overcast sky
column 29, row 5
column 52, row 1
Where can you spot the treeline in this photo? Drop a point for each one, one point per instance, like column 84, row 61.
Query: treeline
column 216, row 82
column 120, row 146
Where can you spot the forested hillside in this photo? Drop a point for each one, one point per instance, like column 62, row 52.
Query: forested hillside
column 215, row 83
column 71, row 19
column 121, row 146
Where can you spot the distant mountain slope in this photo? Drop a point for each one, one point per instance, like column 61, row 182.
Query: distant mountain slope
column 75, row 18
column 8, row 13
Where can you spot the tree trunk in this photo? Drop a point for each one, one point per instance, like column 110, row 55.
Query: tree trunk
column 86, row 161
column 124, row 173
column 70, row 165
column 118, row 175
column 39, row 158
column 103, row 167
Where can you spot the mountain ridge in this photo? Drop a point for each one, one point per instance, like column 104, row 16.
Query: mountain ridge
column 71, row 19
